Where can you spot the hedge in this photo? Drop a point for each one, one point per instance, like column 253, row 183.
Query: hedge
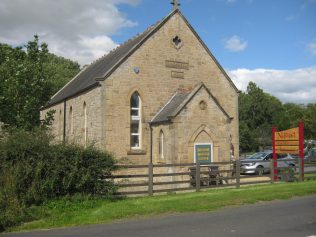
column 34, row 168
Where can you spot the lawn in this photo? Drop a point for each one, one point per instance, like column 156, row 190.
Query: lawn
column 83, row 211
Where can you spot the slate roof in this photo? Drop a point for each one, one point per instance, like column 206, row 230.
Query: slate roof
column 178, row 101
column 165, row 114
column 99, row 70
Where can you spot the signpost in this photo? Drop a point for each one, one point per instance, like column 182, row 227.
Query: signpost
column 288, row 141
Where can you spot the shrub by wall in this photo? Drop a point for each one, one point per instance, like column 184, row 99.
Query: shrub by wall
column 34, row 169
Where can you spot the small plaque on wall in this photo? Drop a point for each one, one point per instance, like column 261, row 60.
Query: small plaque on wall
column 177, row 65
column 177, row 75
column 203, row 153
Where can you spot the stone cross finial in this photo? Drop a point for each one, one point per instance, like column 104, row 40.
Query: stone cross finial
column 175, row 4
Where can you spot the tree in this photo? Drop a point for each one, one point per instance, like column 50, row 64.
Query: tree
column 29, row 76
column 258, row 111
column 59, row 71
column 310, row 121
column 24, row 87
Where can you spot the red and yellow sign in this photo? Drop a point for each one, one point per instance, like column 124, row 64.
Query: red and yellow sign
column 287, row 141
column 288, row 135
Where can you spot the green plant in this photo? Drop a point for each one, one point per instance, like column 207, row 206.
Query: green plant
column 34, row 169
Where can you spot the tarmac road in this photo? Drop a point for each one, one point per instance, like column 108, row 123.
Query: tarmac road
column 295, row 217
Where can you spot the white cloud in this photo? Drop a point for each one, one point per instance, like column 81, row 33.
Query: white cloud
column 76, row 29
column 297, row 86
column 311, row 47
column 235, row 44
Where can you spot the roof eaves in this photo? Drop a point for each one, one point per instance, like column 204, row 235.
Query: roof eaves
column 72, row 95
column 153, row 119
column 164, row 121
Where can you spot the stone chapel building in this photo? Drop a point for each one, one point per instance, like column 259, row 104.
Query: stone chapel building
column 160, row 97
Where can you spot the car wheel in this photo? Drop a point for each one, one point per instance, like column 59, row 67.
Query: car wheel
column 260, row 170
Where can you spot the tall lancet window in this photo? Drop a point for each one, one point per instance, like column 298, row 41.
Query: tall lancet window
column 85, row 122
column 135, row 121
column 161, row 145
column 71, row 121
column 60, row 125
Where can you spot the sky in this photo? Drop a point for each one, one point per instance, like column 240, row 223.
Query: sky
column 270, row 42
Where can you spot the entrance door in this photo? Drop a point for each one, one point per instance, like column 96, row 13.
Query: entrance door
column 203, row 153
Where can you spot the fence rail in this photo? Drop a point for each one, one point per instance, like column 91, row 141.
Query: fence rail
column 164, row 178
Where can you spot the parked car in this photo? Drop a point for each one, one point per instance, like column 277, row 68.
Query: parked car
column 258, row 163
column 311, row 155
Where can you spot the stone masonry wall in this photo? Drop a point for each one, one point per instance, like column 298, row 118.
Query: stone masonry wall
column 163, row 68
column 75, row 120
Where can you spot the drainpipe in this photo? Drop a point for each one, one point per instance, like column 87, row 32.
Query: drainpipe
column 151, row 166
column 151, row 143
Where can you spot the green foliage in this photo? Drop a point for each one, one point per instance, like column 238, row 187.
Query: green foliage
column 33, row 170
column 74, row 212
column 24, row 87
column 310, row 121
column 59, row 71
column 259, row 111
column 28, row 78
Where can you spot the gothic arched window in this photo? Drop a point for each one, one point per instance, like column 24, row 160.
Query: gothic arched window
column 60, row 125
column 135, row 131
column 85, row 122
column 161, row 145
column 71, row 121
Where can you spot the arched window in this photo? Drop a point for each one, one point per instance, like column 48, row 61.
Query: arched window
column 60, row 125
column 135, row 121
column 85, row 122
column 71, row 121
column 161, row 145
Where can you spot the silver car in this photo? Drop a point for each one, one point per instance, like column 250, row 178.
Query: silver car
column 259, row 163
column 311, row 155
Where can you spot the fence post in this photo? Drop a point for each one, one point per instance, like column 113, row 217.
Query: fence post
column 150, row 179
column 237, row 173
column 197, row 178
column 271, row 171
column 300, row 170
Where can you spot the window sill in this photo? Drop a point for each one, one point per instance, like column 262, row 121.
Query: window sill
column 136, row 152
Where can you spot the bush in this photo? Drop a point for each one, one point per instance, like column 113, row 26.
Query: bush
column 34, row 169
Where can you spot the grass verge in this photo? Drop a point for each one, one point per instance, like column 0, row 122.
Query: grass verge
column 80, row 211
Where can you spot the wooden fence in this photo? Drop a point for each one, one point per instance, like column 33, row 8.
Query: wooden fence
column 157, row 178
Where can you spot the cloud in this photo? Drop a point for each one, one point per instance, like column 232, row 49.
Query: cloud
column 76, row 29
column 235, row 44
column 311, row 47
column 297, row 86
